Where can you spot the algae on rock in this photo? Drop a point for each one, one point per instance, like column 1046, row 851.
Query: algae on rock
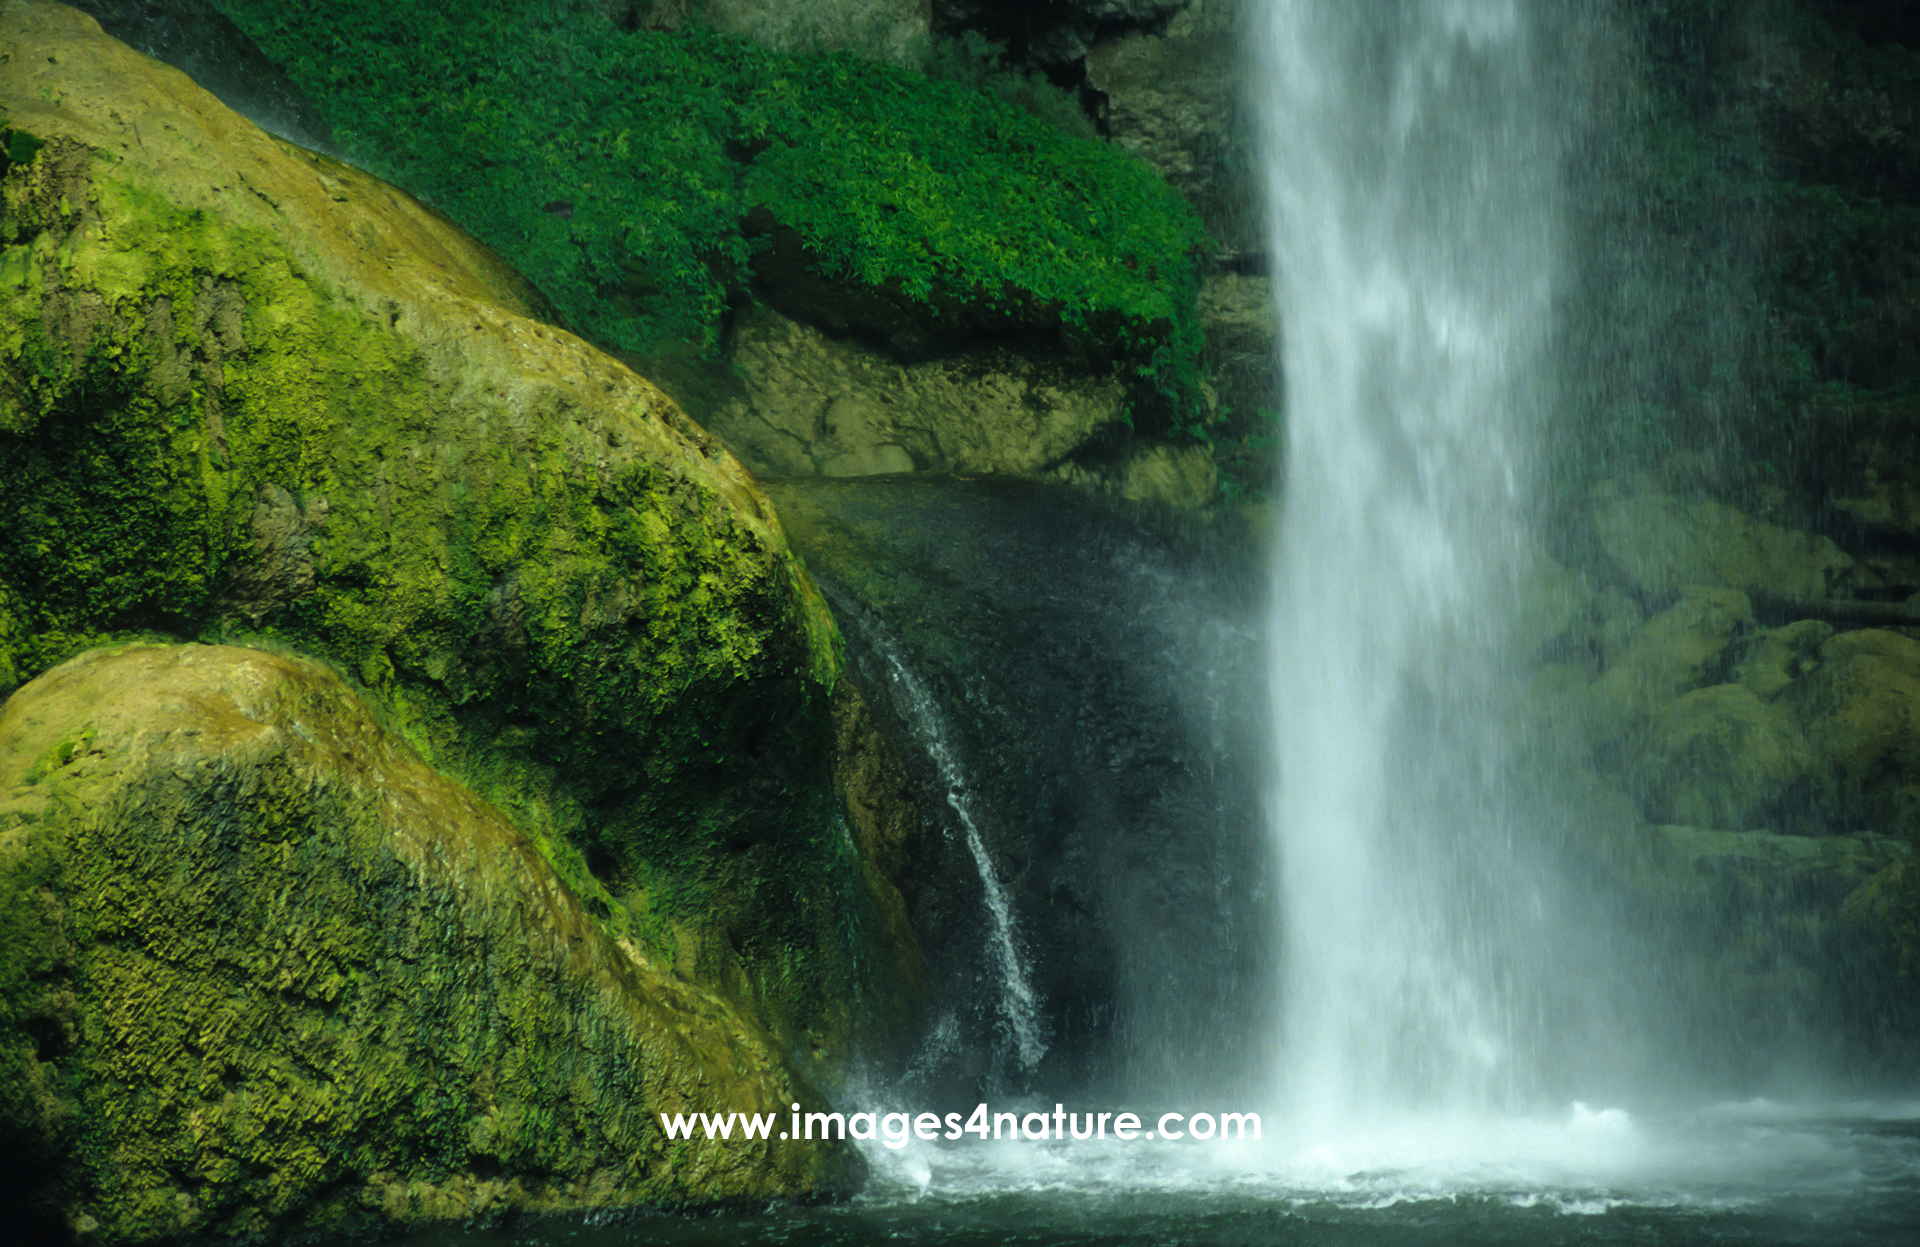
column 268, row 970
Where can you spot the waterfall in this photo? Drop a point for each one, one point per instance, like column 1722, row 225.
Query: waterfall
column 1413, row 172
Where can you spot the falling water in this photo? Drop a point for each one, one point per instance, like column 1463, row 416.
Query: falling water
column 1413, row 172
column 1018, row 1005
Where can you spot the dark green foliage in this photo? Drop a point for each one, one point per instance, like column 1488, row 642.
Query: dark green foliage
column 1748, row 213
column 616, row 169
column 17, row 147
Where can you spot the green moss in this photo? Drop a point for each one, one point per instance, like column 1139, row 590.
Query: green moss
column 616, row 169
column 240, row 994
column 609, row 653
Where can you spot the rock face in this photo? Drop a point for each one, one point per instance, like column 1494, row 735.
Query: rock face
column 1055, row 33
column 267, row 970
column 1070, row 690
column 1171, row 97
column 819, row 406
column 245, row 389
column 201, row 42
column 1746, row 754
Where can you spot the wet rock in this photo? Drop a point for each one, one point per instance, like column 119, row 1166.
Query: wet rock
column 1768, row 942
column 1674, row 651
column 1861, row 714
column 200, row 41
column 1770, row 661
column 1719, row 757
column 1057, row 33
column 1243, row 332
column 1661, row 543
column 244, row 386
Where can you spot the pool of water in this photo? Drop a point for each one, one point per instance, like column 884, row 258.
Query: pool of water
column 1751, row 1173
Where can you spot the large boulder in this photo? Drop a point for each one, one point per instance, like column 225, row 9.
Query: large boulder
column 1774, row 943
column 1770, row 661
column 1674, row 651
column 1056, row 33
column 198, row 39
column 266, row 971
column 1170, row 96
column 245, row 388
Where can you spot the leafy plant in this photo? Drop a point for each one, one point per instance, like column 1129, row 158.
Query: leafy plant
column 617, row 168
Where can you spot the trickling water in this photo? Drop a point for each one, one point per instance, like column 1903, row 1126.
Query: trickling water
column 915, row 703
column 1413, row 172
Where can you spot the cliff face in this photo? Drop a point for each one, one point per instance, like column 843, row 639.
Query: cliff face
column 247, row 392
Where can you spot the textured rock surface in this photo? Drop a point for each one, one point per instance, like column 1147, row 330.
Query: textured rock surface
column 1170, row 97
column 813, row 405
column 1054, row 33
column 266, row 969
column 1166, row 100
column 1719, row 757
column 243, row 386
column 1774, row 939
column 202, row 43
column 1662, row 543
column 1673, row 652
column 1861, row 708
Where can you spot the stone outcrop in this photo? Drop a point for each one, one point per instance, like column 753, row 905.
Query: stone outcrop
column 1171, row 97
column 814, row 405
column 199, row 40
column 266, row 970
column 1860, row 705
column 1719, row 757
column 1052, row 34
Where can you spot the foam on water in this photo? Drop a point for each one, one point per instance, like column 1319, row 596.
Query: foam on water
column 1584, row 1161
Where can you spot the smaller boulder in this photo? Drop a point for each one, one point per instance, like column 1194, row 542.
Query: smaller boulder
column 1770, row 661
column 1719, row 757
column 1674, row 651
column 1861, row 714
column 808, row 404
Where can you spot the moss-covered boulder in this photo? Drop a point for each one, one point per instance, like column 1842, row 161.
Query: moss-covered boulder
column 1662, row 543
column 245, row 387
column 264, row 969
column 1719, row 757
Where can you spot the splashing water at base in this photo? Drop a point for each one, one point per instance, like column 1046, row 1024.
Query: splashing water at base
column 1753, row 1173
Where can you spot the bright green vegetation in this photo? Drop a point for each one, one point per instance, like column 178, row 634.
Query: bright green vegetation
column 599, row 646
column 618, row 169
